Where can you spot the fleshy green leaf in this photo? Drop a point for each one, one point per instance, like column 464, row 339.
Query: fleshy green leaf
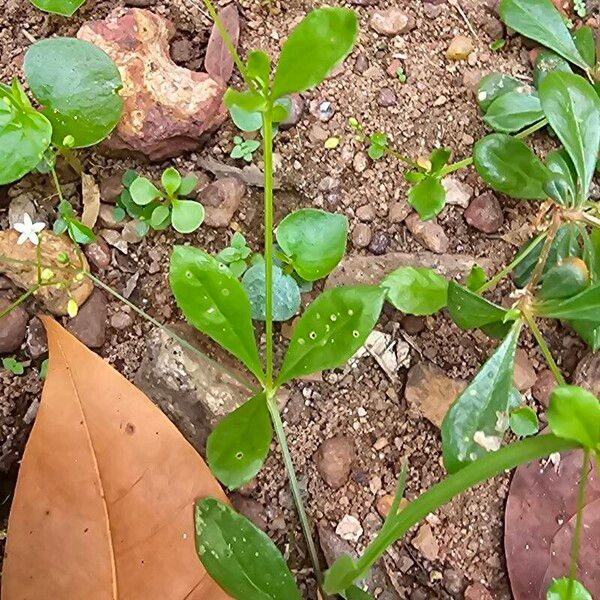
column 559, row 590
column 585, row 306
column 584, row 40
column 239, row 556
column 416, row 291
column 428, row 197
column 171, row 180
column 547, row 62
column 355, row 593
column 509, row 166
column 494, row 85
column 286, row 294
column 314, row 240
column 258, row 67
column 143, row 191
column 187, row 215
column 565, row 279
column 523, row 421
column 187, row 186
column 331, row 330
column 239, row 444
column 514, row 111
column 574, row 414
column 540, row 21
column 65, row 8
column 78, row 85
column 13, row 365
column 469, row 428
column 573, row 110
column 159, row 215
column 313, row 49
column 469, row 311
column 214, row 302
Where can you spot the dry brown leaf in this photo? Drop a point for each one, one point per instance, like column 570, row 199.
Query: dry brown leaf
column 539, row 525
column 90, row 193
column 218, row 63
column 103, row 508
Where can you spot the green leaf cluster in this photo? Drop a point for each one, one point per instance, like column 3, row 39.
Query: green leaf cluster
column 68, row 223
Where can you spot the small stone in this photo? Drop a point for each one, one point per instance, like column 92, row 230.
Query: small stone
column 19, row 207
column 361, row 64
column 366, row 213
column 379, row 243
column 334, row 460
column 477, row 591
column 349, row 529
column 398, row 211
column 432, row 11
column 296, row 112
column 391, row 21
column 251, row 509
column 317, row 133
column 361, row 235
column 106, row 217
column 111, row 188
column 37, row 341
column 587, row 373
column 360, row 162
column 543, row 387
column 493, row 27
column 221, row 200
column 333, row 546
column 471, row 79
column 130, row 233
column 393, row 67
column 524, row 373
column 13, row 327
column 384, row 504
column 322, row 110
column 328, row 184
column 375, row 484
column 412, row 324
column 387, row 97
column 121, row 320
column 460, row 48
column 429, row 233
column 98, row 253
column 454, row 581
column 426, row 543
column 89, row 326
column 485, row 213
column 457, row 192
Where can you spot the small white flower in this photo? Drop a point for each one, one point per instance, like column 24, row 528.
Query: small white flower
column 29, row 230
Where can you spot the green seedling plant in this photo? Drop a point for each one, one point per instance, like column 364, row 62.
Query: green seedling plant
column 236, row 256
column 244, row 148
column 12, row 365
column 158, row 208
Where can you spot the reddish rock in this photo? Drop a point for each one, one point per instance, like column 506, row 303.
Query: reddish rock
column 524, row 373
column 37, row 340
column 334, row 460
column 167, row 108
column 428, row 233
column 485, row 213
column 89, row 326
column 98, row 253
column 477, row 591
column 12, row 327
column 221, row 199
column 543, row 387
column 587, row 373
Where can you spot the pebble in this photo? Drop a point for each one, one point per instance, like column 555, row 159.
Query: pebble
column 426, row 543
column 366, row 213
column 318, row 133
column 89, row 326
column 131, row 234
column 13, row 327
column 111, row 188
column 458, row 192
column 20, row 206
column 387, row 97
column 121, row 320
column 392, row 68
column 349, row 529
column 322, row 110
column 334, row 460
column 485, row 213
column 36, row 340
column 375, row 484
column 477, row 591
column 543, row 387
column 332, row 545
column 429, row 233
column 412, row 324
column 454, row 581
column 391, row 21
column 98, row 253
column 361, row 235
column 379, row 243
column 221, row 200
column 460, row 48
column 398, row 211
column 524, row 373
column 296, row 112
column 106, row 217
column 361, row 64
column 360, row 162
column 587, row 373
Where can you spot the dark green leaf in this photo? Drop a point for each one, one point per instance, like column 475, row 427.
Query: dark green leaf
column 313, row 49
column 574, row 414
column 523, row 421
column 214, row 302
column 540, row 21
column 559, row 163
column 439, row 158
column 573, row 110
column 239, row 556
column 494, row 85
column 514, row 111
column 558, row 189
column 65, row 8
column 286, row 295
column 428, row 197
column 355, row 593
column 585, row 306
column 547, row 62
column 239, row 444
column 331, row 330
column 468, row 310
column 586, row 44
column 565, row 279
column 143, row 191
column 469, row 428
column 78, row 85
column 559, row 590
column 314, row 240
column 187, row 215
column 258, row 68
column 171, row 180
column 589, row 333
column 509, row 166
column 416, row 291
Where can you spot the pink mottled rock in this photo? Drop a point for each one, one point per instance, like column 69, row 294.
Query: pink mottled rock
column 167, row 108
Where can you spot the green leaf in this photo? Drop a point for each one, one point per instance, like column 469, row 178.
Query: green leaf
column 331, row 330
column 239, row 556
column 286, row 294
column 573, row 110
column 469, row 428
column 238, row 268
column 78, row 85
column 44, row 369
column 238, row 240
column 558, row 189
column 159, row 215
column 80, row 233
column 171, row 180
column 187, row 215
column 13, row 365
column 247, row 101
column 313, row 49
column 514, row 111
column 59, row 227
column 355, row 593
column 523, row 421
column 559, row 163
column 470, row 311
column 187, row 186
column 428, row 197
column 129, row 177
column 494, row 85
column 24, row 137
column 142, row 228
column 245, row 120
column 214, row 302
column 314, row 240
column 586, row 44
column 588, row 332
column 559, row 590
column 66, row 8
column 439, row 158
column 509, row 166
column 476, row 278
column 547, row 62
column 585, row 306
column 341, row 575
column 258, row 67
column 416, row 291
column 143, row 191
column 540, row 21
column 239, row 444
column 565, row 279
column 574, row 414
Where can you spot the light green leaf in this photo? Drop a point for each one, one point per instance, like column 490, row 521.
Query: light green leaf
column 187, row 215
column 143, row 191
column 78, row 85
column 80, row 233
column 469, row 428
column 559, row 590
column 540, row 21
column 514, row 111
column 428, row 197
column 416, row 291
column 313, row 49
column 331, row 330
column 509, row 166
column 341, row 575
column 476, row 278
column 238, row 446
column 187, row 186
column 314, row 240
column 258, row 67
column 586, row 44
column 171, row 180
column 240, row 557
column 159, row 215
column 214, row 302
column 65, row 8
column 565, row 279
column 585, row 306
column 523, row 421
column 355, row 593
column 12, row 365
column 494, row 85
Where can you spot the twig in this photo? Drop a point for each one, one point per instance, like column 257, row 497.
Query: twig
column 462, row 13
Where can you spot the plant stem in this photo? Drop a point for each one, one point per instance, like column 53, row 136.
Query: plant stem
column 57, row 183
column 456, row 166
column 539, row 268
column 477, row 472
column 539, row 338
column 19, row 300
column 530, row 130
column 401, row 158
column 575, row 545
column 181, row 341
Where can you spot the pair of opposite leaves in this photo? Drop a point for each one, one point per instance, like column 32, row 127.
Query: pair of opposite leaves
column 103, row 507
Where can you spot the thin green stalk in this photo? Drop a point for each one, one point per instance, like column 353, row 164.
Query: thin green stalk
column 539, row 338
column 477, row 472
column 19, row 300
column 530, row 130
column 456, row 166
column 397, row 155
column 181, row 341
column 576, row 543
column 56, row 183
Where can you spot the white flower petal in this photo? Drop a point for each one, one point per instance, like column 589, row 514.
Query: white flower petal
column 27, row 220
column 22, row 238
column 20, row 227
column 33, row 238
column 37, row 227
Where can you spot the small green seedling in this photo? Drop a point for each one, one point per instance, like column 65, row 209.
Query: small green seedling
column 378, row 145
column 12, row 365
column 158, row 208
column 401, row 75
column 244, row 148
column 237, row 255
column 580, row 8
column 497, row 45
column 67, row 222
